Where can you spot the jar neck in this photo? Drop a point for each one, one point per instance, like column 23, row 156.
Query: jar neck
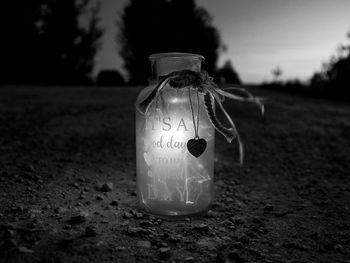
column 165, row 63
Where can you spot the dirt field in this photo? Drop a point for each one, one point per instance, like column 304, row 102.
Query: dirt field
column 61, row 148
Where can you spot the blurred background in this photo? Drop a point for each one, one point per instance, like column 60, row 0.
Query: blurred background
column 295, row 46
column 70, row 73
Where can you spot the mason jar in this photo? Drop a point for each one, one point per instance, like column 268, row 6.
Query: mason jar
column 170, row 180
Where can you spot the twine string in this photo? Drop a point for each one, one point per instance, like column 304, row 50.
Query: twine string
column 197, row 112
column 195, row 126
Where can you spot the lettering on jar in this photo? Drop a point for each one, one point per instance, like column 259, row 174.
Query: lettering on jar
column 174, row 175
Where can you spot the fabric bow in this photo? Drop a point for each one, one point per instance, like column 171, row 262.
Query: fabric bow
column 204, row 84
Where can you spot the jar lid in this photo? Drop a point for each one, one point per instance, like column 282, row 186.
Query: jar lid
column 165, row 63
column 175, row 55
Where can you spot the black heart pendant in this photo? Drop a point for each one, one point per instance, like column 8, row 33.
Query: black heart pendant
column 196, row 146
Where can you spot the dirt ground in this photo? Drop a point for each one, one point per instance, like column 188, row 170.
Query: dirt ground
column 67, row 183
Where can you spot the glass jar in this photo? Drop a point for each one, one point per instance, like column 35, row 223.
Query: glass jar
column 170, row 180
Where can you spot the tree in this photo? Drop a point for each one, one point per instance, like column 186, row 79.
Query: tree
column 68, row 48
column 49, row 45
column 334, row 78
column 228, row 74
column 19, row 22
column 277, row 73
column 157, row 26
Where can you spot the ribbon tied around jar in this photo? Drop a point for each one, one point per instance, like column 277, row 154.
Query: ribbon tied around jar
column 203, row 84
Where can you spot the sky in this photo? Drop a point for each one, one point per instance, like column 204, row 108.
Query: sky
column 296, row 35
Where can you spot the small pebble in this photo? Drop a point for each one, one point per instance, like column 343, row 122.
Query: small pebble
column 134, row 231
column 90, row 231
column 212, row 214
column 143, row 244
column 107, row 187
column 81, row 179
column 114, row 203
column 138, row 215
column 164, row 252
column 99, row 197
column 339, row 248
column 206, row 243
column 78, row 219
column 146, row 224
column 202, row 228
column 127, row 215
column 268, row 207
column 24, row 250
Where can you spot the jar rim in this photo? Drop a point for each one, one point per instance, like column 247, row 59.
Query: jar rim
column 175, row 55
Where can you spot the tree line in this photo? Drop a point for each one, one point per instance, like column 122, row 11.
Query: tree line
column 54, row 42
column 44, row 41
column 331, row 81
column 334, row 77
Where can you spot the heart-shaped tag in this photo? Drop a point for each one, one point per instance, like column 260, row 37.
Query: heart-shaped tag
column 196, row 146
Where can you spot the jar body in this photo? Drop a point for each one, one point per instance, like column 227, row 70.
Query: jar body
column 170, row 180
